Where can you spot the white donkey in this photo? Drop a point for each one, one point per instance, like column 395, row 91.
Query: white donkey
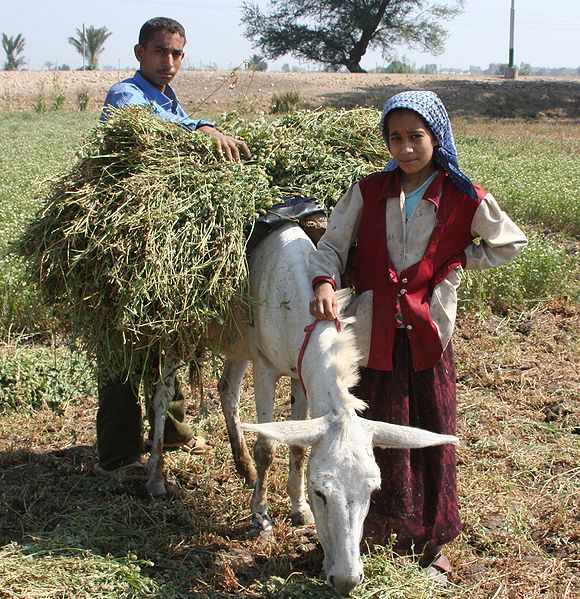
column 342, row 472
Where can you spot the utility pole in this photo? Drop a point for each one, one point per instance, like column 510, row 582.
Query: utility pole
column 512, row 71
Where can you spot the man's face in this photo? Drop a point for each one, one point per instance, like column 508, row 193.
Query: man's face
column 160, row 58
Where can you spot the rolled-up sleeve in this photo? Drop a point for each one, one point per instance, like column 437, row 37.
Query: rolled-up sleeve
column 192, row 124
column 499, row 238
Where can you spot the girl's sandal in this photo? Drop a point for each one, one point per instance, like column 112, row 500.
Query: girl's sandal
column 438, row 570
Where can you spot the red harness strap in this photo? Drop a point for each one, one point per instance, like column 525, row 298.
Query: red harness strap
column 308, row 332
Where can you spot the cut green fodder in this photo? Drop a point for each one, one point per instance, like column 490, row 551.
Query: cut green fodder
column 72, row 574
column 386, row 575
column 142, row 242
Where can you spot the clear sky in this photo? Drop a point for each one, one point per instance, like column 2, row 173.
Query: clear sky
column 546, row 33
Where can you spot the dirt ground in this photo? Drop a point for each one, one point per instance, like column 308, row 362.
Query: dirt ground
column 518, row 423
column 208, row 92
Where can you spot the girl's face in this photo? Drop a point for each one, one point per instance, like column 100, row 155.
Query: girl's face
column 411, row 143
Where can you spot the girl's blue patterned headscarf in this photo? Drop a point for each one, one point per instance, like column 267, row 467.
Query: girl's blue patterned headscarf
column 428, row 105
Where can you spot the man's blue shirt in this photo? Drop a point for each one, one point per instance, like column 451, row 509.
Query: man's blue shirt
column 138, row 91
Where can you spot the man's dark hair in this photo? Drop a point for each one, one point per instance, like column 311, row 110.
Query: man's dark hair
column 152, row 26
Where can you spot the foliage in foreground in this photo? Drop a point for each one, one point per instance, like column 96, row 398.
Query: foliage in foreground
column 37, row 377
column 540, row 272
column 29, row 572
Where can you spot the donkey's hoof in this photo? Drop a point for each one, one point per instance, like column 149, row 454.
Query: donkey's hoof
column 246, row 471
column 262, row 527
column 302, row 517
column 249, row 479
column 156, row 488
column 250, row 482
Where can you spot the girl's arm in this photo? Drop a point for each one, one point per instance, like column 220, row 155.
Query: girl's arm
column 501, row 240
column 332, row 250
column 329, row 260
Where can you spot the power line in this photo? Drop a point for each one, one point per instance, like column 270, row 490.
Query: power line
column 494, row 24
column 185, row 4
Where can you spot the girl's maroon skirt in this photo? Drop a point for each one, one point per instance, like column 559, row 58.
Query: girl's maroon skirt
column 417, row 500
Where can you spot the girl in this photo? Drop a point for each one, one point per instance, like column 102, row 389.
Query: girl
column 415, row 226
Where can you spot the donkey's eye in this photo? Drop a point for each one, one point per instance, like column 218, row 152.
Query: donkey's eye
column 321, row 495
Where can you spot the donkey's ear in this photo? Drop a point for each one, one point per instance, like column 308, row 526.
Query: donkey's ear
column 303, row 433
column 387, row 435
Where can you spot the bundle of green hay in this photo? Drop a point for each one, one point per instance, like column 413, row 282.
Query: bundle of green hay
column 315, row 153
column 142, row 241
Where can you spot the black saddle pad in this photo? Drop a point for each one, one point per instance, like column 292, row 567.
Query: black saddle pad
column 292, row 209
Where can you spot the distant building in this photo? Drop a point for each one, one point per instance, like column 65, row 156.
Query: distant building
column 429, row 69
column 496, row 68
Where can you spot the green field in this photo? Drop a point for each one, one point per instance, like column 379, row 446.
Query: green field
column 66, row 533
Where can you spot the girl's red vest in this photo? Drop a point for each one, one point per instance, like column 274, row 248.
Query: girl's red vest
column 411, row 289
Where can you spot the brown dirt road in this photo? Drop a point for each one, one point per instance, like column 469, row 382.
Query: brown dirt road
column 209, row 92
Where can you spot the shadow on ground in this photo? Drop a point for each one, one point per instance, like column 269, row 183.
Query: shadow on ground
column 53, row 500
column 509, row 99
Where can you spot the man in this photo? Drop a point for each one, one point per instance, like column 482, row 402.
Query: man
column 160, row 54
column 119, row 422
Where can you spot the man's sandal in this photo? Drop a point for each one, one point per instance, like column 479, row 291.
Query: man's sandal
column 438, row 570
column 194, row 445
column 132, row 471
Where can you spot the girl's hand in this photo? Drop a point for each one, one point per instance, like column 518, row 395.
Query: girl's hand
column 323, row 304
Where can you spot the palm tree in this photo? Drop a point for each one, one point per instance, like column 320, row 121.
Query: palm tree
column 13, row 46
column 256, row 63
column 90, row 43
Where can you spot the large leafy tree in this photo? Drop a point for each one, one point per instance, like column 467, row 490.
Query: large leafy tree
column 339, row 32
column 90, row 43
column 13, row 46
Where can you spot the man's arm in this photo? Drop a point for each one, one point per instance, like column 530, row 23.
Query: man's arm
column 228, row 146
column 128, row 94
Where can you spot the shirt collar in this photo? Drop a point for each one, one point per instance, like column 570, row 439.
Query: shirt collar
column 433, row 192
column 167, row 100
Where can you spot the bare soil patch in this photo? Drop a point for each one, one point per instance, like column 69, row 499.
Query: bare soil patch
column 209, row 92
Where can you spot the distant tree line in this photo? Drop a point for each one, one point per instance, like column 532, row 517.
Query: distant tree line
column 89, row 43
column 403, row 65
column 288, row 29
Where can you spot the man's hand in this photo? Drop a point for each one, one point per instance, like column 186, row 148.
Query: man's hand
column 323, row 304
column 227, row 146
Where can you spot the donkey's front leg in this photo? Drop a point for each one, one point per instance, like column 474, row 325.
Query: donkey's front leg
column 164, row 389
column 264, row 389
column 300, row 512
